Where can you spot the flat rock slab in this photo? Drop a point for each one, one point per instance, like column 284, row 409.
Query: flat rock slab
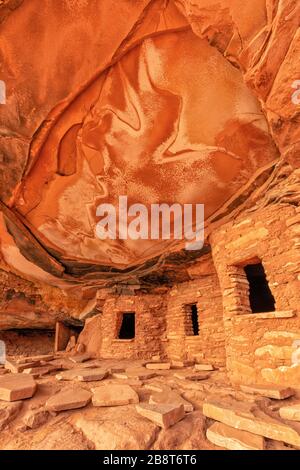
column 36, row 418
column 193, row 376
column 251, row 419
column 114, row 395
column 116, row 370
column 234, row 439
column 16, row 368
column 70, row 374
column 140, row 373
column 36, row 372
column 79, row 358
column 8, row 412
column 92, row 375
column 92, row 365
column 115, row 428
column 136, row 373
column 133, row 382
column 15, row 387
column 83, row 375
column 164, row 416
column 204, row 367
column 120, row 375
column 180, row 364
column 158, row 365
column 43, row 357
column 291, row 412
column 157, row 387
column 69, row 400
column 61, row 364
column 275, row 392
column 170, row 397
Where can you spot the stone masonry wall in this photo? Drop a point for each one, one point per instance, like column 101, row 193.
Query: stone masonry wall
column 150, row 312
column 209, row 346
column 261, row 348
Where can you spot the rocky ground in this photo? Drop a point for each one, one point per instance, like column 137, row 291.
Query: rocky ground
column 27, row 342
column 77, row 402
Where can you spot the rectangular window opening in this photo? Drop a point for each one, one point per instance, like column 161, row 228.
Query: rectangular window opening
column 127, row 327
column 260, row 295
column 191, row 320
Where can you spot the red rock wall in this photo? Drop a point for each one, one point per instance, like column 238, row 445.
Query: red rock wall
column 258, row 347
column 25, row 304
column 50, row 93
column 150, row 311
column 209, row 346
column 261, row 38
column 28, row 342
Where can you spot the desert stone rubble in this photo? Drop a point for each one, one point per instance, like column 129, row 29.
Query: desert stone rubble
column 250, row 417
column 276, row 392
column 163, row 415
column 69, row 400
column 114, row 395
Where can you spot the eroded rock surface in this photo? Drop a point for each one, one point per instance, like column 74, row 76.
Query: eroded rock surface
column 185, row 65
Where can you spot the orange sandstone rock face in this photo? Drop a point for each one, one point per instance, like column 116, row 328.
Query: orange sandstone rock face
column 16, row 387
column 159, row 129
column 155, row 106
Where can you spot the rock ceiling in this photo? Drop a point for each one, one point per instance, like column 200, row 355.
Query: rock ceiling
column 164, row 101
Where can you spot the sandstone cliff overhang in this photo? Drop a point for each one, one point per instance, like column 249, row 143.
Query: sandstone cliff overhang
column 175, row 101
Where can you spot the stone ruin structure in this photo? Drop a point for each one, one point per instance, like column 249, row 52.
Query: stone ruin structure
column 173, row 101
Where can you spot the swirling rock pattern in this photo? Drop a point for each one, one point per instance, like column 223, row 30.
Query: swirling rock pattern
column 175, row 101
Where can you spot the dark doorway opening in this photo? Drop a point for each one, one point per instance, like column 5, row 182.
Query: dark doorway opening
column 192, row 324
column 127, row 328
column 260, row 295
